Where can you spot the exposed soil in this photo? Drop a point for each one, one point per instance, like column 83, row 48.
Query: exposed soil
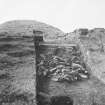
column 17, row 71
column 88, row 91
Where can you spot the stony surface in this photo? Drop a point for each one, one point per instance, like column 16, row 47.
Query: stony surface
column 90, row 91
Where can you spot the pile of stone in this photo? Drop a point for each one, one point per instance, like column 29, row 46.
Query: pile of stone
column 63, row 64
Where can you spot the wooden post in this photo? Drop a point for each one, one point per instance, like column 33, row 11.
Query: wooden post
column 38, row 37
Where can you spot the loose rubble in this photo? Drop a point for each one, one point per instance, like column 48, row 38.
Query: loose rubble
column 63, row 64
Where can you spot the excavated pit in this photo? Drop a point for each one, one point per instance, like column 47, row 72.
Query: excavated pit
column 57, row 65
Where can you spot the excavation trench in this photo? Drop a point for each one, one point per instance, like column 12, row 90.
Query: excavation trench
column 57, row 64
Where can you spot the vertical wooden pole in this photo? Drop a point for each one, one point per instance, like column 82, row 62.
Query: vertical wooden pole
column 38, row 37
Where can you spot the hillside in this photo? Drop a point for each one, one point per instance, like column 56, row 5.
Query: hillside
column 17, row 60
column 25, row 28
column 18, row 73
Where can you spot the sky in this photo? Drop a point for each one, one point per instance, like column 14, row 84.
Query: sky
column 66, row 15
